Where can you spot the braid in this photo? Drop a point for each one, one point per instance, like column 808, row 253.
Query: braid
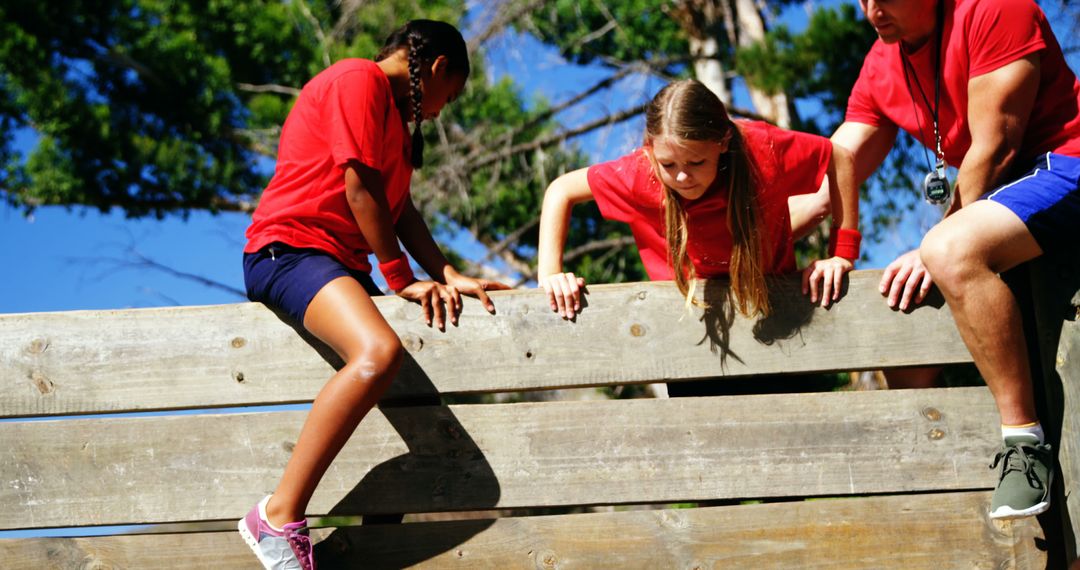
column 416, row 94
column 425, row 41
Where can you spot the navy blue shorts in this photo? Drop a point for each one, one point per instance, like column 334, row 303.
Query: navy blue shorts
column 287, row 278
column 1047, row 199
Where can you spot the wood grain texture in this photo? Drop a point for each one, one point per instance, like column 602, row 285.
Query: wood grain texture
column 427, row 459
column 1056, row 287
column 146, row 359
column 948, row 530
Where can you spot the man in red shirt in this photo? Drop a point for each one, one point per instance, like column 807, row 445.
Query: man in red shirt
column 983, row 84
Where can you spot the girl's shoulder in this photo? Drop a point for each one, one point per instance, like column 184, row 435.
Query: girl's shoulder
column 351, row 73
column 760, row 136
column 630, row 175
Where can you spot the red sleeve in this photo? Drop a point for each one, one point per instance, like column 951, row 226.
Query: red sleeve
column 612, row 185
column 1001, row 32
column 355, row 107
column 801, row 160
column 861, row 107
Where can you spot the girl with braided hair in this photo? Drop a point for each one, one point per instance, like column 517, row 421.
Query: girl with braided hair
column 340, row 192
column 707, row 197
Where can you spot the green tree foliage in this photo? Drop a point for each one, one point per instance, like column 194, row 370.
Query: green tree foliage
column 821, row 63
column 592, row 31
column 139, row 105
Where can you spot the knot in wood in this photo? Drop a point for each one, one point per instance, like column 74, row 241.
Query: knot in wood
column 238, row 342
column 238, row 376
column 547, row 560
column 641, row 295
column 637, row 330
column 42, row 382
column 412, row 343
column 935, row 434
column 931, row 414
column 37, row 346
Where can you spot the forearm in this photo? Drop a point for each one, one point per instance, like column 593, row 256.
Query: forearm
column 369, row 207
column 554, row 224
column 983, row 168
column 843, row 189
column 416, row 236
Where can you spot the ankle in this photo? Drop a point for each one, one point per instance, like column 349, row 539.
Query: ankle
column 278, row 513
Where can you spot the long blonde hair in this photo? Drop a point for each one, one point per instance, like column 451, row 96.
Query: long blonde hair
column 687, row 110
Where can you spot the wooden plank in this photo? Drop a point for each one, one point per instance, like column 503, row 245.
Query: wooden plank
column 428, row 459
column 94, row 361
column 1068, row 369
column 1056, row 284
column 947, row 530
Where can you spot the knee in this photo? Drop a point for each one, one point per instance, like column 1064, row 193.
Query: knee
column 948, row 257
column 377, row 364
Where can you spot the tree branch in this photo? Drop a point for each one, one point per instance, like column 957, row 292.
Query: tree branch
column 610, row 243
column 503, row 17
column 323, row 44
column 269, row 88
column 559, row 137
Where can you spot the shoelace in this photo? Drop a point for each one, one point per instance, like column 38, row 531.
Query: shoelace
column 301, row 546
column 1018, row 458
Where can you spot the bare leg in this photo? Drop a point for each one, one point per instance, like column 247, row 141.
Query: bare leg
column 905, row 378
column 343, row 316
column 964, row 254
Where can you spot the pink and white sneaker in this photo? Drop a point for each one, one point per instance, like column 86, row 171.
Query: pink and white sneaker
column 285, row 549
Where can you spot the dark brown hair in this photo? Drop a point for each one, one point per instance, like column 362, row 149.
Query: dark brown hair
column 425, row 40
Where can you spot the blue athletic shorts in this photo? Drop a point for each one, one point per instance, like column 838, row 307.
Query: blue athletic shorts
column 286, row 278
column 1047, row 199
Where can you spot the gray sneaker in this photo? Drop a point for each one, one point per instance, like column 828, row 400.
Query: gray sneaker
column 288, row 549
column 1023, row 489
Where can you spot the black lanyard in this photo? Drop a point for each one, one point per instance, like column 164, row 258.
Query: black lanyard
column 940, row 25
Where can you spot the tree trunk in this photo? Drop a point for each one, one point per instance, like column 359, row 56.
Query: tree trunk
column 751, row 29
column 702, row 21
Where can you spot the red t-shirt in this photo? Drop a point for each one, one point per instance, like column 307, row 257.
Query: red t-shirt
column 345, row 113
column 788, row 163
column 979, row 36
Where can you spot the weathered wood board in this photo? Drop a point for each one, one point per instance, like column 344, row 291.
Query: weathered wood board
column 945, row 530
column 146, row 359
column 426, row 459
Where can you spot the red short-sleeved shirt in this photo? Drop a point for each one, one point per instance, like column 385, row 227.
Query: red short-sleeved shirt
column 788, row 163
column 979, row 36
column 345, row 113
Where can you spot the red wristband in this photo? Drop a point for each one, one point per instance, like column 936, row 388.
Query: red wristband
column 847, row 243
column 397, row 273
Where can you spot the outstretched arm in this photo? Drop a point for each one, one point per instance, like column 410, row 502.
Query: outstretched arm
column 563, row 289
column 905, row 280
column 827, row 275
column 843, row 188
